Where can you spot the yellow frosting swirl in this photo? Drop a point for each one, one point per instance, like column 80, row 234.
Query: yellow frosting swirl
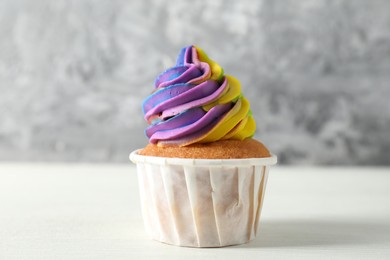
column 195, row 102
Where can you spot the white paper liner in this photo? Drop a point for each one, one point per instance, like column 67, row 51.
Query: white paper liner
column 200, row 202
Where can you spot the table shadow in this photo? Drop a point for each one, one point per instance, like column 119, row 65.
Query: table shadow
column 306, row 233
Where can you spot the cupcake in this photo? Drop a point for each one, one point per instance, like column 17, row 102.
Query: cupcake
column 202, row 176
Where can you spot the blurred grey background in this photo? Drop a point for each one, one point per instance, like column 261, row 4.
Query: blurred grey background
column 73, row 74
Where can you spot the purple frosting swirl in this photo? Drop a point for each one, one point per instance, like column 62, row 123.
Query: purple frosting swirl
column 175, row 110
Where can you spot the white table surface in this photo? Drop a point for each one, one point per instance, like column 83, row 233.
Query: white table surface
column 65, row 211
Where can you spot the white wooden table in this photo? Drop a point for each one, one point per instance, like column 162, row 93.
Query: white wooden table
column 64, row 211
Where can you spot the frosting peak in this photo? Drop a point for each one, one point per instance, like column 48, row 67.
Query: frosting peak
column 194, row 102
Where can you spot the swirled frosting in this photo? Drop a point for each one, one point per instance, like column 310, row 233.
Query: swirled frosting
column 195, row 102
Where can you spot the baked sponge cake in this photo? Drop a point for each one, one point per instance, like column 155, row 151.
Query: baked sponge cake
column 225, row 149
column 202, row 176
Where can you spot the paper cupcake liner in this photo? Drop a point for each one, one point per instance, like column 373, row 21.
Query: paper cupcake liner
column 200, row 202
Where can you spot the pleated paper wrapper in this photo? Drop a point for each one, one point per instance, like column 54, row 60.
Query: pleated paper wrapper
column 199, row 202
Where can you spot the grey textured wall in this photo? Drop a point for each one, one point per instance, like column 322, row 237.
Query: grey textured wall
column 73, row 73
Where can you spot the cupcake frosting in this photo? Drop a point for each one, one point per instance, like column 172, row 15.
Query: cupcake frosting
column 195, row 102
